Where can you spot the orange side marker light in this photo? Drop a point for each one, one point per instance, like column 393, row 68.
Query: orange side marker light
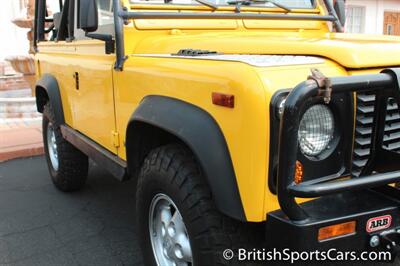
column 221, row 99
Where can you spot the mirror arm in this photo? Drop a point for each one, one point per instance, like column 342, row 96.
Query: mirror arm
column 107, row 38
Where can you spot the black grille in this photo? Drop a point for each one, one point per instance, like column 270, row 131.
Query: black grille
column 364, row 120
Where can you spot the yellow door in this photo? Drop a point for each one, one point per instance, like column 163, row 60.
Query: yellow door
column 94, row 101
column 83, row 70
column 94, row 112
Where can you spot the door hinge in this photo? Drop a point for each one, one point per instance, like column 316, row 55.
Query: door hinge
column 115, row 138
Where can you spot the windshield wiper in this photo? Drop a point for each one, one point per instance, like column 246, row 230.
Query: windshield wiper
column 203, row 2
column 240, row 3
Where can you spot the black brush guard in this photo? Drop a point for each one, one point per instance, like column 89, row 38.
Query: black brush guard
column 386, row 84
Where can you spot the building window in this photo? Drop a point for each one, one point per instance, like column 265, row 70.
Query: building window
column 389, row 29
column 355, row 19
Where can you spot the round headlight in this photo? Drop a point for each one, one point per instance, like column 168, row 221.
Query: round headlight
column 316, row 130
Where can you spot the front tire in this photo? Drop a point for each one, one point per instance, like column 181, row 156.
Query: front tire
column 173, row 200
column 67, row 165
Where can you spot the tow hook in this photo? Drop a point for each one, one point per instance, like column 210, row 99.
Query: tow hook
column 389, row 240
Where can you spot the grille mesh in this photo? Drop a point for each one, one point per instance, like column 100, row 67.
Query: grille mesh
column 363, row 131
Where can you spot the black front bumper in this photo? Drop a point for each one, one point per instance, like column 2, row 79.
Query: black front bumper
column 383, row 166
column 281, row 232
column 341, row 200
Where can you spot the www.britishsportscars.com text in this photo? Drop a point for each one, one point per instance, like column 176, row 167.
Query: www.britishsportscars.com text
column 288, row 255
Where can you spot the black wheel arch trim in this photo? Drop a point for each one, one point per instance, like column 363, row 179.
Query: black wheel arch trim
column 49, row 84
column 201, row 133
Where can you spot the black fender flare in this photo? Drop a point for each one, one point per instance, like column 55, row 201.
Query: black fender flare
column 201, row 133
column 48, row 84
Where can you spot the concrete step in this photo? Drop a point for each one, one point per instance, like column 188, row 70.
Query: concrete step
column 14, row 82
column 21, row 115
column 21, row 107
column 16, row 93
column 19, row 122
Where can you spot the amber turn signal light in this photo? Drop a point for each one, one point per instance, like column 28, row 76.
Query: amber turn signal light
column 298, row 176
column 336, row 230
column 226, row 100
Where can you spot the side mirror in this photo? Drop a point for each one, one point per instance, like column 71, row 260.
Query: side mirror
column 340, row 8
column 88, row 15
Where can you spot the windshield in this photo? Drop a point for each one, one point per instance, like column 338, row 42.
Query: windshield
column 288, row 3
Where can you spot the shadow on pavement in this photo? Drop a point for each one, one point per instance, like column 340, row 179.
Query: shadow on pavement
column 40, row 225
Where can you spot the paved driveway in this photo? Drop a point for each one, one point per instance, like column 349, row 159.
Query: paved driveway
column 41, row 226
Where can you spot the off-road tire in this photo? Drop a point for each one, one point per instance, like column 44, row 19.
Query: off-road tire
column 172, row 170
column 73, row 164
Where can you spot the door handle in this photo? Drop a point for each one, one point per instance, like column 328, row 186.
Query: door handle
column 76, row 77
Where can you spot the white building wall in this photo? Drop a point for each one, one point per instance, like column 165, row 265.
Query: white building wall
column 13, row 40
column 374, row 13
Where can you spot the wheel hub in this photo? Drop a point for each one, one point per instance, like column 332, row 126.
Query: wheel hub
column 52, row 146
column 168, row 234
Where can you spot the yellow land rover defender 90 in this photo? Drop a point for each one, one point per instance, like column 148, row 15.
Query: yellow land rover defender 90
column 243, row 123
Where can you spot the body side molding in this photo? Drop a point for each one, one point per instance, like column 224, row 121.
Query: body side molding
column 201, row 133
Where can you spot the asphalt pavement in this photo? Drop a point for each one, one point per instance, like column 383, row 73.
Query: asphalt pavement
column 40, row 225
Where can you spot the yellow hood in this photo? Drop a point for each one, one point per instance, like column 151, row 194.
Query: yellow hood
column 349, row 50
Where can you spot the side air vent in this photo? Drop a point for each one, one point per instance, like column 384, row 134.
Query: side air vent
column 391, row 140
column 363, row 130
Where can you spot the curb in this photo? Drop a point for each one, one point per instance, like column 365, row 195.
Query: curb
column 20, row 141
column 25, row 151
